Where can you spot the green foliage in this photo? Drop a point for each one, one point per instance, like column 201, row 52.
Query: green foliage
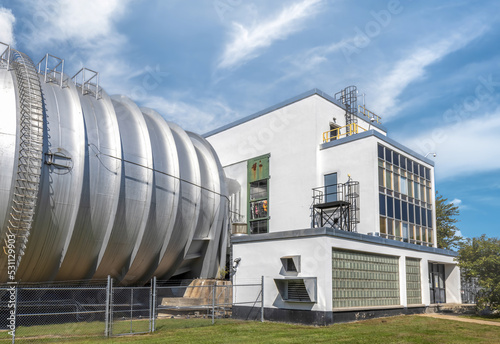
column 480, row 258
column 446, row 217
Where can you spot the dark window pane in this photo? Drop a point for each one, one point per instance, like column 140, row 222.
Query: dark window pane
column 388, row 155
column 258, row 189
column 424, row 217
column 417, row 215
column 410, row 213
column 422, row 171
column 397, row 209
column 390, row 206
column 402, row 162
column 409, row 165
column 415, row 168
column 331, row 187
column 428, row 173
column 381, row 204
column 257, row 227
column 429, row 218
column 395, row 159
column 381, row 152
column 404, row 211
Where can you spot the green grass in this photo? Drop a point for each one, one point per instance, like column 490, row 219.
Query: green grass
column 401, row 329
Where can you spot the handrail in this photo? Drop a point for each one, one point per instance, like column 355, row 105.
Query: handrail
column 350, row 129
column 367, row 113
column 5, row 56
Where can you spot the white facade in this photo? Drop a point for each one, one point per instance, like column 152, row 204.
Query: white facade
column 292, row 134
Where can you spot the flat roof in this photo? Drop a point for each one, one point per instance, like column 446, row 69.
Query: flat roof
column 282, row 104
column 337, row 233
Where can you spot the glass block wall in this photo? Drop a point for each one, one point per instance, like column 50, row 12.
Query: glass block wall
column 361, row 279
column 413, row 284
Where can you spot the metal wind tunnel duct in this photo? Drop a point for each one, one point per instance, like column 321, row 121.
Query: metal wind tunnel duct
column 92, row 185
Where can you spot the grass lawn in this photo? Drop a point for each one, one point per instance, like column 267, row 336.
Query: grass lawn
column 401, row 329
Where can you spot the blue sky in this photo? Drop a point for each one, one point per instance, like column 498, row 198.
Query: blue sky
column 430, row 69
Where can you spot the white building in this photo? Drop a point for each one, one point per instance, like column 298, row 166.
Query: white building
column 339, row 218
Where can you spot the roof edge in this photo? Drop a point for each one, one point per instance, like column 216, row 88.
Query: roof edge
column 307, row 94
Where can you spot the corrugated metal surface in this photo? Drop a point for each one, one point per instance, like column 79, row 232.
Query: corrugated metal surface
column 130, row 195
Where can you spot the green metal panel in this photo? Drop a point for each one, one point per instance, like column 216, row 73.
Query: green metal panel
column 413, row 281
column 361, row 279
column 258, row 168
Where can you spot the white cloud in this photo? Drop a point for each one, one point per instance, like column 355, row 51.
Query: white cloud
column 210, row 114
column 412, row 67
column 81, row 23
column 7, row 21
column 456, row 202
column 247, row 43
column 465, row 147
column 87, row 31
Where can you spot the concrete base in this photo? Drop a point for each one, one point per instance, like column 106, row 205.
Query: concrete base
column 320, row 318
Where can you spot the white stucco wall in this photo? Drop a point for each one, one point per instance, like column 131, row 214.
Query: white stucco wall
column 262, row 258
column 291, row 135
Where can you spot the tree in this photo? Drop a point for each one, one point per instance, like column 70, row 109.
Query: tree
column 480, row 258
column 446, row 213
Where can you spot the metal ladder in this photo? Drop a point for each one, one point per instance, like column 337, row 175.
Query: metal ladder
column 30, row 151
column 349, row 97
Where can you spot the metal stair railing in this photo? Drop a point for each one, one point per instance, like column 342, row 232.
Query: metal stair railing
column 29, row 154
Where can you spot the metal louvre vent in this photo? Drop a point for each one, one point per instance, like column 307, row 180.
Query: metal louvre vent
column 296, row 291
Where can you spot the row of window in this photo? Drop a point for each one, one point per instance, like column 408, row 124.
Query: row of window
column 403, row 162
column 402, row 210
column 404, row 184
column 406, row 232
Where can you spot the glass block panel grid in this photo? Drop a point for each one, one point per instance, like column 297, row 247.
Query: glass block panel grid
column 413, row 282
column 361, row 279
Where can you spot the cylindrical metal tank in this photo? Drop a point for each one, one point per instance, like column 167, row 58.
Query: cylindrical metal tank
column 93, row 185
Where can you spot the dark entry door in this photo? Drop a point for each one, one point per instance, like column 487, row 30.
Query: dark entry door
column 436, row 283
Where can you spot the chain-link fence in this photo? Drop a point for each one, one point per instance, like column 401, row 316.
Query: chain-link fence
column 36, row 314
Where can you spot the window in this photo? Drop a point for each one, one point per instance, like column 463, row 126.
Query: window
column 381, row 152
column 390, row 207
column 404, row 211
column 404, row 185
column 381, row 204
column 388, row 179
column 330, row 187
column 405, row 231
column 388, row 155
column 258, row 194
column 383, row 229
column 397, row 209
column 381, row 176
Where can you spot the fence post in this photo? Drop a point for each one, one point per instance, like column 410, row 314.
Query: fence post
column 262, row 299
column 108, row 315
column 131, row 308
column 213, row 302
column 153, row 305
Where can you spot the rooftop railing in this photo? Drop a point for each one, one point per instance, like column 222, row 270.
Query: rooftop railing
column 340, row 132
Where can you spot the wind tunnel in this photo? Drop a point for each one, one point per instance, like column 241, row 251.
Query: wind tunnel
column 91, row 185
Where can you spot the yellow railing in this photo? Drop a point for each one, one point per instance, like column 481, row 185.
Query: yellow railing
column 346, row 130
column 364, row 111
